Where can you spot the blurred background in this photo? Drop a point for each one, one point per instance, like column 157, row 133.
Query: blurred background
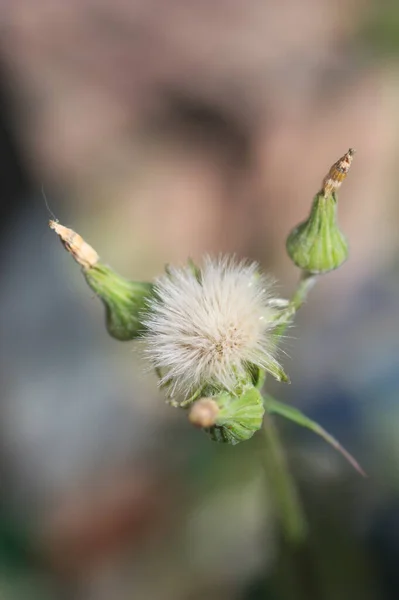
column 162, row 129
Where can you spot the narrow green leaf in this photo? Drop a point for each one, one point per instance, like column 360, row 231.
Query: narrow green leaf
column 273, row 406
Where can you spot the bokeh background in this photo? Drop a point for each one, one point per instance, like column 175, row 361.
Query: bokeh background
column 162, row 129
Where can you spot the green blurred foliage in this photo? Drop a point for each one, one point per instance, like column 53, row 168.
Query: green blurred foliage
column 380, row 30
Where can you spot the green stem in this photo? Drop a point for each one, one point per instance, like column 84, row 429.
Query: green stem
column 282, row 484
column 306, row 283
column 287, row 499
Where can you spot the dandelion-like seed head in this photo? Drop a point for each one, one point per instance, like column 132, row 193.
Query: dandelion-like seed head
column 208, row 326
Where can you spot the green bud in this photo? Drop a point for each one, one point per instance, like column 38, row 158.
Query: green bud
column 317, row 245
column 124, row 300
column 203, row 413
column 238, row 417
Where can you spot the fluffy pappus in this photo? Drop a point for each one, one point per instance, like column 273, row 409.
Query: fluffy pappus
column 206, row 326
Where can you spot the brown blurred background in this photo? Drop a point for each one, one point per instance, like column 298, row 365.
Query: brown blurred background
column 161, row 130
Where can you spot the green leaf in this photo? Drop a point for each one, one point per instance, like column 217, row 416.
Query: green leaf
column 273, row 406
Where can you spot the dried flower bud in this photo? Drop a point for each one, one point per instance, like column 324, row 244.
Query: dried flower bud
column 81, row 251
column 338, row 172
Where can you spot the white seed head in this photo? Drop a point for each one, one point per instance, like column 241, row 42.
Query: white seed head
column 208, row 327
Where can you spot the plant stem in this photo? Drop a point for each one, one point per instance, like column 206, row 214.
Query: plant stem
column 283, row 485
column 306, row 283
column 285, row 492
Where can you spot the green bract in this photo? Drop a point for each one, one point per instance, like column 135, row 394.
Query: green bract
column 317, row 245
column 124, row 300
column 239, row 417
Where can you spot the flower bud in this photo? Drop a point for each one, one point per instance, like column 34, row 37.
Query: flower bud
column 239, row 417
column 82, row 252
column 203, row 413
column 124, row 300
column 317, row 245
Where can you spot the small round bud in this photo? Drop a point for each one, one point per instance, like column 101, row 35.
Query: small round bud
column 203, row 413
